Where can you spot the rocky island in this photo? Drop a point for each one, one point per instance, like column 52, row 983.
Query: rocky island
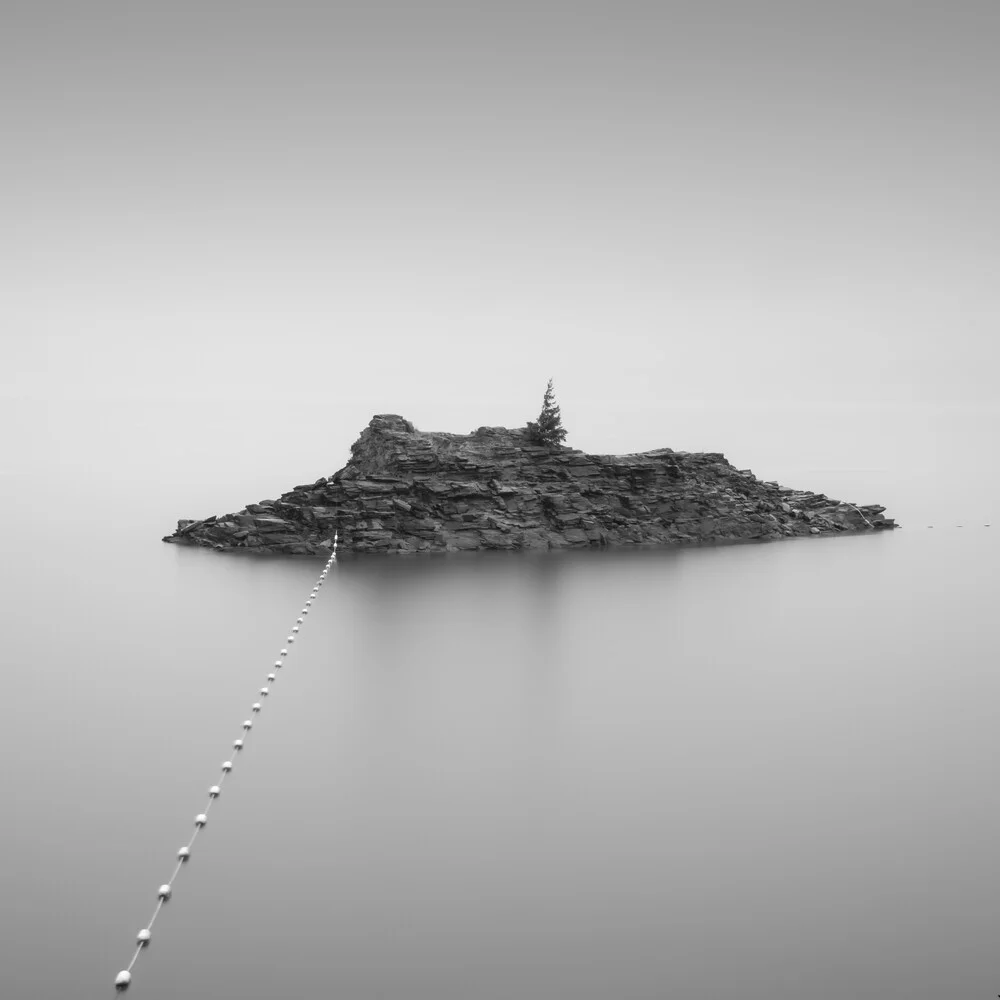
column 405, row 490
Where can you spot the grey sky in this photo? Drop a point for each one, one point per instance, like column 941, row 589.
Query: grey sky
column 430, row 209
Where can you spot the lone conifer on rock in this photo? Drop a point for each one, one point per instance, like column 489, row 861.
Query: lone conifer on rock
column 548, row 429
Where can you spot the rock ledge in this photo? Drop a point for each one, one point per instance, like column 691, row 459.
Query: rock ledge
column 405, row 490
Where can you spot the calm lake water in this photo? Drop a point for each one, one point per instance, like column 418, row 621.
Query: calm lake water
column 759, row 771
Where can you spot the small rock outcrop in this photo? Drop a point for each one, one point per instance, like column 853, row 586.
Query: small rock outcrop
column 405, row 490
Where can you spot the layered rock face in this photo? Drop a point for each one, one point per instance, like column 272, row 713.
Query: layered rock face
column 405, row 490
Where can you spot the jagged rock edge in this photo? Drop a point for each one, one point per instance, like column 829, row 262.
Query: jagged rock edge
column 408, row 491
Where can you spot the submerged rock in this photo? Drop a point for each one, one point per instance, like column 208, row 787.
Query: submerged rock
column 405, row 490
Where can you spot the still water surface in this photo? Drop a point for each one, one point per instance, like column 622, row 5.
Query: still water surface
column 764, row 771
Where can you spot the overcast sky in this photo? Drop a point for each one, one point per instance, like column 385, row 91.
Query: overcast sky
column 430, row 209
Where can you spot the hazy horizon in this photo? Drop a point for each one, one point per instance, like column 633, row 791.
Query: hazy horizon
column 430, row 209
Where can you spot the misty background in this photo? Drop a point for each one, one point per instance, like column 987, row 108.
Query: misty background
column 233, row 232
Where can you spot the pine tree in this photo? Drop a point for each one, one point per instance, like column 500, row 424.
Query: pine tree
column 548, row 429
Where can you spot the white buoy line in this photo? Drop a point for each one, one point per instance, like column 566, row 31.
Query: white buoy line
column 958, row 525
column 124, row 978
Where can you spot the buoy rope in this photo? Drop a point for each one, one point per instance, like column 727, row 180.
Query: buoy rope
column 862, row 516
column 124, row 978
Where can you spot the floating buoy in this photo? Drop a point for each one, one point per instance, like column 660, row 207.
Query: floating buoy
column 144, row 936
column 165, row 892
